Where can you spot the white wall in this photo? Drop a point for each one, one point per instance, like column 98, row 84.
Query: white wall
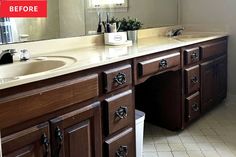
column 214, row 15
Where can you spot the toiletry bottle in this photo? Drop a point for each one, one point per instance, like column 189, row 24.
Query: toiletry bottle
column 99, row 29
column 108, row 25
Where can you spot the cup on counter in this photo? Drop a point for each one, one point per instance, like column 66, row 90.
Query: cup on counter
column 113, row 28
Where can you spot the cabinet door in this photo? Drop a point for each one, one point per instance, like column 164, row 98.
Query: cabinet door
column 221, row 78
column 207, row 85
column 32, row 142
column 77, row 133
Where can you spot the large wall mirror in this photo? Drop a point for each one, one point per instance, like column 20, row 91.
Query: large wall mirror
column 72, row 18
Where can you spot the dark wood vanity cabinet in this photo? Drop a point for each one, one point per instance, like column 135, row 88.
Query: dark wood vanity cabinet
column 72, row 127
column 31, row 142
column 212, row 78
column 91, row 113
column 77, row 133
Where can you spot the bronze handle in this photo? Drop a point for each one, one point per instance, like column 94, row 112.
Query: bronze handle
column 120, row 78
column 163, row 64
column 122, row 151
column 122, row 112
column 59, row 140
column 195, row 80
column 194, row 56
column 195, row 107
column 45, row 143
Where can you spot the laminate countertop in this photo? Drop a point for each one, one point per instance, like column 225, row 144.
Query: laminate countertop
column 94, row 56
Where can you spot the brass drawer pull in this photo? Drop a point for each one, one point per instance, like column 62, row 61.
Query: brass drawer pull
column 120, row 78
column 122, row 112
column 122, row 151
column 195, row 107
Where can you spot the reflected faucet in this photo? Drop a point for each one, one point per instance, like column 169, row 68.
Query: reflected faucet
column 175, row 32
column 6, row 56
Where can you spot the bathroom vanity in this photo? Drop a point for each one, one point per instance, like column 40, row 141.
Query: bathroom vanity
column 90, row 111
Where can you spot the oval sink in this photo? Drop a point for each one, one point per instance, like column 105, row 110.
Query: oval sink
column 34, row 66
column 190, row 37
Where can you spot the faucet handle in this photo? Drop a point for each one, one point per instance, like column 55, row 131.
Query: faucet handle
column 11, row 51
column 24, row 55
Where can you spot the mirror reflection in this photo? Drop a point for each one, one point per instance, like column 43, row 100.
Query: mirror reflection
column 72, row 18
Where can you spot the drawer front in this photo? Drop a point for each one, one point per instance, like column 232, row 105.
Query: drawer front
column 158, row 64
column 121, row 145
column 192, row 79
column 117, row 78
column 192, row 106
column 32, row 104
column 119, row 112
column 213, row 49
column 191, row 55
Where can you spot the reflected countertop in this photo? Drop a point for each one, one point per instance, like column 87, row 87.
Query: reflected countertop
column 95, row 56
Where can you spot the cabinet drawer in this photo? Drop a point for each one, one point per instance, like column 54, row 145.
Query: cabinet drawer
column 191, row 55
column 34, row 103
column 158, row 64
column 117, row 78
column 119, row 111
column 192, row 107
column 121, row 145
column 192, row 79
column 213, row 49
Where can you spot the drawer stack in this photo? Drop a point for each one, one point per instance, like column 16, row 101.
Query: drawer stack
column 192, row 83
column 118, row 113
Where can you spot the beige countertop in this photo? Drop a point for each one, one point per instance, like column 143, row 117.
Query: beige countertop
column 94, row 56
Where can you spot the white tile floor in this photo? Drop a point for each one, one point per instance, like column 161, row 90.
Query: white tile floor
column 213, row 135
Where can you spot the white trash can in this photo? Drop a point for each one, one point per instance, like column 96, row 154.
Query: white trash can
column 139, row 120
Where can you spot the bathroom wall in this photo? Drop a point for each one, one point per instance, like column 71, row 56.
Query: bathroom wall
column 152, row 13
column 72, row 18
column 214, row 15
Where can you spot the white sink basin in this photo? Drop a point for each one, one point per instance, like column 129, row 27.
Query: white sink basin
column 33, row 66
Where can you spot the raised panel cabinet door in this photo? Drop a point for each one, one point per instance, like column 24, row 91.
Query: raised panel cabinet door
column 32, row 142
column 221, row 78
column 207, row 85
column 78, row 133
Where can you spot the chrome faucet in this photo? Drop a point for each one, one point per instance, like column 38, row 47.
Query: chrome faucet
column 6, row 56
column 175, row 32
